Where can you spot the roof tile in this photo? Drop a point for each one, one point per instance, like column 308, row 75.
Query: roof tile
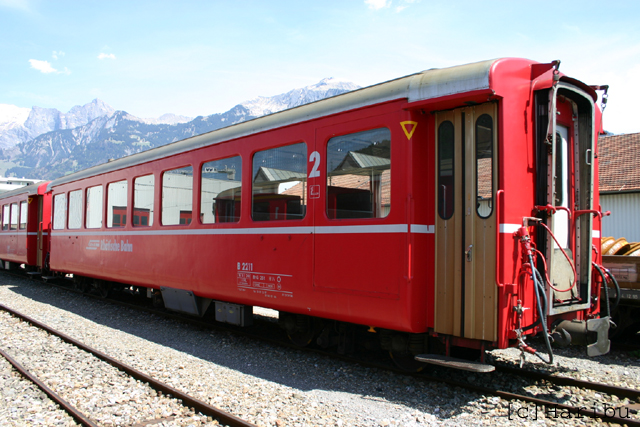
column 619, row 162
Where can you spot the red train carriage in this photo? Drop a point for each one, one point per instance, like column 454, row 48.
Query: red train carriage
column 25, row 226
column 449, row 208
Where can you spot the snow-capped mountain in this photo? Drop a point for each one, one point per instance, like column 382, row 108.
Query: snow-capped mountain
column 168, row 119
column 12, row 116
column 326, row 88
column 104, row 134
column 22, row 124
column 39, row 120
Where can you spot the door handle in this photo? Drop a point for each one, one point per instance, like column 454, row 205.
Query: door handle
column 468, row 253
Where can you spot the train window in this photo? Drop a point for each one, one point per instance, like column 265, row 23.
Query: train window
column 59, row 211
column 177, row 196
column 5, row 217
column 143, row 188
column 484, row 166
column 359, row 175
column 94, row 207
column 14, row 216
column 279, row 183
column 23, row 215
column 117, row 204
column 446, row 174
column 220, row 190
column 75, row 209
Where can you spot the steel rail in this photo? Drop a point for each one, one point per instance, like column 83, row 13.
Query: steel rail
column 198, row 405
column 573, row 382
column 579, row 411
column 555, row 407
column 66, row 406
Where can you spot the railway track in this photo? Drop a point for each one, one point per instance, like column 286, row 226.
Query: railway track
column 521, row 400
column 160, row 392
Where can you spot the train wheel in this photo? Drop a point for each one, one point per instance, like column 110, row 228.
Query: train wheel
column 406, row 362
column 83, row 285
column 104, row 288
column 156, row 299
column 301, row 338
column 301, row 329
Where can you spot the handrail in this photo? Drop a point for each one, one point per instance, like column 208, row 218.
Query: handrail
column 498, row 193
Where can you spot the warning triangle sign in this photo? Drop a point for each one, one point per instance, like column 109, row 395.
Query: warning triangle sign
column 409, row 128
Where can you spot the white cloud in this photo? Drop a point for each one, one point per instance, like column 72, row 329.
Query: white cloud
column 377, row 4
column 42, row 66
column 57, row 54
column 106, row 56
column 16, row 4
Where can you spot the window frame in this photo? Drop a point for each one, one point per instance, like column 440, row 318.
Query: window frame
column 442, row 207
column 492, row 164
column 307, row 147
column 23, row 225
column 108, row 205
column 55, row 206
column 14, row 216
column 101, row 207
column 237, row 213
column 152, row 210
column 81, row 209
column 162, row 197
column 6, row 214
column 382, row 126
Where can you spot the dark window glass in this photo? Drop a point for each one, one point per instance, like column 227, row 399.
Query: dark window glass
column 280, row 183
column 484, row 165
column 446, row 170
column 359, row 175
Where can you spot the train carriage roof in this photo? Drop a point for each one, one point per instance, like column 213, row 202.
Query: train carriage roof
column 29, row 189
column 429, row 84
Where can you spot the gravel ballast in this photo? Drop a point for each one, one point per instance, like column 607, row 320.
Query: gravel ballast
column 261, row 383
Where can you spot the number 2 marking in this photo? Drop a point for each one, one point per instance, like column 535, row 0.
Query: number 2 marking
column 314, row 157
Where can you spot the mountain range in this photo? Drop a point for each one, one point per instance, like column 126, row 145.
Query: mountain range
column 44, row 143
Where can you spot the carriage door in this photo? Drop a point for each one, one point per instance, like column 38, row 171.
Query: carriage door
column 40, row 256
column 466, row 169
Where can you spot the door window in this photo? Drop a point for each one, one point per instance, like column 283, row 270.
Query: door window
column 446, row 188
column 484, row 166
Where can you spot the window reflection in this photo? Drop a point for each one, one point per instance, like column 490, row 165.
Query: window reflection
column 359, row 175
column 279, row 183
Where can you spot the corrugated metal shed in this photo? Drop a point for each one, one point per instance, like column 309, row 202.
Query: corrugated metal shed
column 625, row 216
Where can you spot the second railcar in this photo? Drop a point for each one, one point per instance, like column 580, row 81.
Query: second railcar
column 25, row 226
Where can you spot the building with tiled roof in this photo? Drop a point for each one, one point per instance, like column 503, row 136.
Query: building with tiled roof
column 619, row 171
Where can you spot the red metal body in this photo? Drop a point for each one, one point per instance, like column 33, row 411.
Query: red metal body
column 20, row 234
column 377, row 271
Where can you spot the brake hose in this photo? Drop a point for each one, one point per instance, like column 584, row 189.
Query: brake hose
column 604, row 275
column 540, row 295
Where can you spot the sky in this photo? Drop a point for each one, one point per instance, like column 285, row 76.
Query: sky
column 203, row 57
